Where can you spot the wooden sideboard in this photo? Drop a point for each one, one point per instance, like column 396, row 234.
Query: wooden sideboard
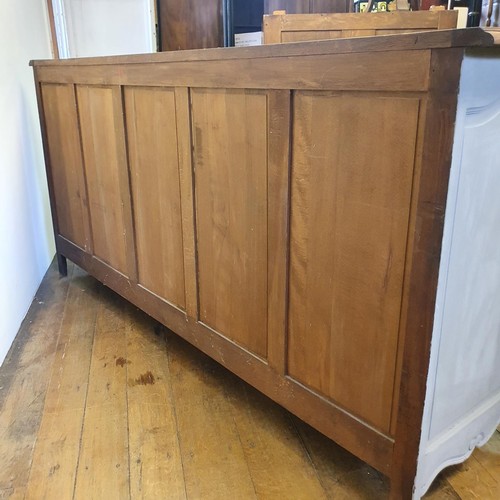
column 282, row 208
column 286, row 28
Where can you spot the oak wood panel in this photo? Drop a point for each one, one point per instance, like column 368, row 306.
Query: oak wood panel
column 230, row 160
column 103, row 139
column 190, row 24
column 383, row 20
column 67, row 173
column 349, row 221
column 154, row 178
column 360, row 71
column 296, row 28
column 303, row 36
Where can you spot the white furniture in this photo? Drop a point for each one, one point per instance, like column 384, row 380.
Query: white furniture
column 462, row 408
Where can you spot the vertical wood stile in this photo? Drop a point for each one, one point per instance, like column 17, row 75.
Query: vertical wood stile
column 125, row 190
column 433, row 158
column 278, row 205
column 184, row 144
column 272, row 29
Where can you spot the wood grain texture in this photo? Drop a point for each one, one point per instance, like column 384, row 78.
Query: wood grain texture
column 284, row 457
column 213, row 459
column 303, row 36
column 103, row 139
column 24, row 377
column 353, row 478
column 55, row 458
column 67, row 173
column 230, row 161
column 155, row 457
column 357, row 21
column 154, row 178
column 278, row 463
column 103, row 461
column 349, row 221
column 190, row 24
column 467, row 37
column 368, row 180
column 349, row 432
column 297, row 28
column 433, row 159
column 361, row 71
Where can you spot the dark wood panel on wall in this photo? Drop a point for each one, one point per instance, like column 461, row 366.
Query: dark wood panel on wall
column 190, row 24
column 306, row 6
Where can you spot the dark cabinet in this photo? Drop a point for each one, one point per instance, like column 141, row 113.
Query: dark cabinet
column 202, row 24
column 190, row 24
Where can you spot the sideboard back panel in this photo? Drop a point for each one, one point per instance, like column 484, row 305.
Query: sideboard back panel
column 350, row 203
column 103, row 139
column 154, row 178
column 61, row 118
column 230, row 161
column 279, row 207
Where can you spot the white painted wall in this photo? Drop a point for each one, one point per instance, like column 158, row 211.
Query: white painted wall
column 26, row 242
column 89, row 28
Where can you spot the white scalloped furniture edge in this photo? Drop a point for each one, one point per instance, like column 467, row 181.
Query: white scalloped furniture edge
column 462, row 408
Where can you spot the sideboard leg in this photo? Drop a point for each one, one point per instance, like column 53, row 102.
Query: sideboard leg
column 401, row 488
column 62, row 264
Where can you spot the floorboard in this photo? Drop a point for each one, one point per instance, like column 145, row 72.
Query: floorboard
column 99, row 401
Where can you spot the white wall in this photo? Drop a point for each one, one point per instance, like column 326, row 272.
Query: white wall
column 26, row 242
column 105, row 27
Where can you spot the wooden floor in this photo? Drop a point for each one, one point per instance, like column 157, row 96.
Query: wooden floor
column 97, row 401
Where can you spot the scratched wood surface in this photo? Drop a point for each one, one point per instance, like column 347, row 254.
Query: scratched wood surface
column 348, row 246
column 91, row 383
